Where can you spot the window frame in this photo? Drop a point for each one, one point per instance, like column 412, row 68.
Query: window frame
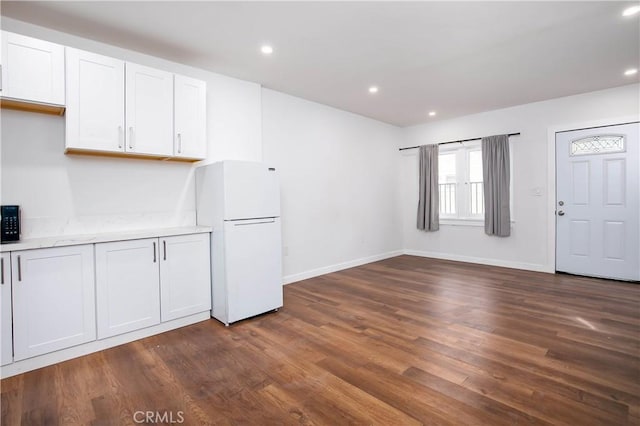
column 449, row 151
column 463, row 192
column 463, row 216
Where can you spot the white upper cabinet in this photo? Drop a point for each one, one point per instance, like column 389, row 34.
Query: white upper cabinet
column 115, row 106
column 53, row 299
column 6, row 351
column 149, row 111
column 95, row 102
column 32, row 69
column 190, row 118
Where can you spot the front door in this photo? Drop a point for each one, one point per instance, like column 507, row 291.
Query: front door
column 597, row 198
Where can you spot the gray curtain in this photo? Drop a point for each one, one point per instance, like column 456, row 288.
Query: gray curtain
column 496, row 171
column 428, row 206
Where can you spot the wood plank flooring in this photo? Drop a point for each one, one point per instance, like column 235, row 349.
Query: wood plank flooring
column 404, row 341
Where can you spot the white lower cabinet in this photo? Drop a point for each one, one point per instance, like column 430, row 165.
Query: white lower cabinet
column 185, row 275
column 53, row 299
column 127, row 286
column 134, row 279
column 6, row 351
column 56, row 298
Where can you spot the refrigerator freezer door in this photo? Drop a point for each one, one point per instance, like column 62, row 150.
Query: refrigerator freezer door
column 251, row 190
column 253, row 267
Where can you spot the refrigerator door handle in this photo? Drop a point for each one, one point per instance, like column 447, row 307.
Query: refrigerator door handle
column 254, row 223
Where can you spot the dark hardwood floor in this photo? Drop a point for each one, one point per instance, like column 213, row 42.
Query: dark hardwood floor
column 403, row 341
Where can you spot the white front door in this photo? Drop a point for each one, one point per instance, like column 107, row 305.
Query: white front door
column 597, row 197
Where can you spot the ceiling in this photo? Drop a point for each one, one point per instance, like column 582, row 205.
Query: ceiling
column 456, row 58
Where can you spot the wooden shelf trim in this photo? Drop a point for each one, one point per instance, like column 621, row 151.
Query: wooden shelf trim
column 132, row 155
column 23, row 105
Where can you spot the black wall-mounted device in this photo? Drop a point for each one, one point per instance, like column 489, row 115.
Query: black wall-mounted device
column 10, row 223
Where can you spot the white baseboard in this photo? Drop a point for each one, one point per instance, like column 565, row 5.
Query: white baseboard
column 40, row 361
column 288, row 279
column 483, row 261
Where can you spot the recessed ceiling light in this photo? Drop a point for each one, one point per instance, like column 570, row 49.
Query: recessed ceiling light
column 631, row 11
column 432, row 113
column 266, row 49
column 631, row 71
column 373, row 89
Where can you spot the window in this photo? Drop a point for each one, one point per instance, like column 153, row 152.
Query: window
column 447, row 183
column 603, row 144
column 460, row 186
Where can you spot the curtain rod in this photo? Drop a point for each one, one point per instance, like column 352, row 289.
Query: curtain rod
column 460, row 141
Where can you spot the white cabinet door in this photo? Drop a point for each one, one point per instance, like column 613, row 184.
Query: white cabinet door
column 6, row 351
column 53, row 299
column 190, row 118
column 32, row 69
column 149, row 111
column 95, row 102
column 185, row 275
column 127, row 286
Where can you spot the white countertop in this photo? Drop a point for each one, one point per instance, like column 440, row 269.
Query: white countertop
column 73, row 240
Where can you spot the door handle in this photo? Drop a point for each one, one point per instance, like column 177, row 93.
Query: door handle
column 560, row 213
column 130, row 137
column 120, row 137
column 254, row 223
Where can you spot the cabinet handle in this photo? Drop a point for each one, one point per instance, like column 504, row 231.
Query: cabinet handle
column 120, row 137
column 154, row 252
column 2, row 270
column 164, row 246
column 19, row 269
column 179, row 143
column 131, row 137
column 0, row 77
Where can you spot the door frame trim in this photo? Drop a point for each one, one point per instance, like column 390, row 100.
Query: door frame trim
column 551, row 173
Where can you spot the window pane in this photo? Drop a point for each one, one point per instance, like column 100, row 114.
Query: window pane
column 477, row 198
column 447, row 183
column 447, row 168
column 475, row 166
column 447, row 193
column 602, row 144
column 476, row 194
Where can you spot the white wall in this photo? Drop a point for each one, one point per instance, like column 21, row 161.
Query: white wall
column 528, row 246
column 70, row 194
column 339, row 183
column 348, row 196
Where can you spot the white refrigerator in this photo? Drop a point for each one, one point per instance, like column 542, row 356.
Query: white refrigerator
column 240, row 200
